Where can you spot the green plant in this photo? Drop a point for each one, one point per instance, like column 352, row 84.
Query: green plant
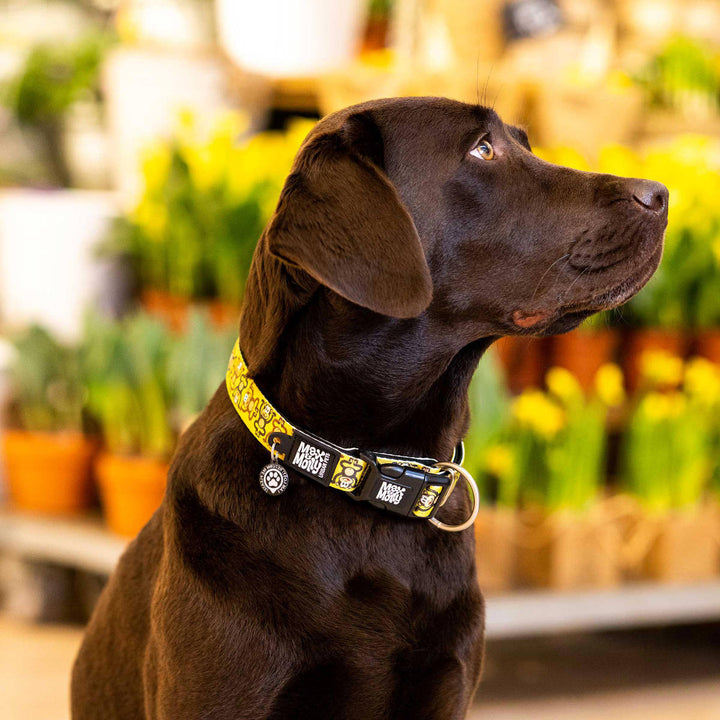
column 489, row 411
column 684, row 76
column 204, row 205
column 670, row 446
column 127, row 384
column 53, row 78
column 556, row 443
column 47, row 382
column 196, row 366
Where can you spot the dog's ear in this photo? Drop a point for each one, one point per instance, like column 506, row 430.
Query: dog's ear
column 340, row 219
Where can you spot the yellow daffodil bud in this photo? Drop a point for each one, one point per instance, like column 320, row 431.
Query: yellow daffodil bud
column 563, row 385
column 661, row 368
column 609, row 386
column 534, row 410
column 702, row 380
column 498, row 460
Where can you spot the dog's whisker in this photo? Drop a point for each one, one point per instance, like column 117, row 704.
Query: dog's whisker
column 544, row 275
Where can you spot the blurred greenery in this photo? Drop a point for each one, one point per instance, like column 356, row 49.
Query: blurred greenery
column 683, row 76
column 51, row 80
column 47, row 382
column 205, row 202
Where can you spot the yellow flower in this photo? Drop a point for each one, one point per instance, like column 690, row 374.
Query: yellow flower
column 661, row 368
column 659, row 407
column 609, row 385
column 534, row 410
column 702, row 380
column 155, row 163
column 563, row 385
column 498, row 460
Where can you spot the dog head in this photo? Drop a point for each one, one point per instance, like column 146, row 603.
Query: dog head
column 426, row 206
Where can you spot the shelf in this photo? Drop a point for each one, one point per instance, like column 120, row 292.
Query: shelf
column 642, row 605
column 88, row 545
column 83, row 543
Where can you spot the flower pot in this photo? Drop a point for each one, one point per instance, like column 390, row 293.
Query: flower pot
column 645, row 340
column 583, row 352
column 286, row 38
column 131, row 490
column 708, row 345
column 495, row 545
column 173, row 310
column 568, row 551
column 48, row 472
column 223, row 314
column 524, row 360
column 685, row 547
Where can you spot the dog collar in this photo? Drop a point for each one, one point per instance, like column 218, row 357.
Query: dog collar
column 409, row 486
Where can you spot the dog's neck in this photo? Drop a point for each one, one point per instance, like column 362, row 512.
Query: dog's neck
column 353, row 377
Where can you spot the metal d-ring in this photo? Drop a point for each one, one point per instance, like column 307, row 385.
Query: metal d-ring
column 473, row 492
column 273, row 451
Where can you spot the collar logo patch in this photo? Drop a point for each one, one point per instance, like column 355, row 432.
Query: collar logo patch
column 311, row 459
column 390, row 493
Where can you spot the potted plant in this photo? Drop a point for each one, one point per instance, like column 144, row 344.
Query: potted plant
column 204, row 204
column 683, row 293
column 47, row 457
column 668, row 451
column 52, row 80
column 524, row 361
column 585, row 350
column 129, row 398
column 566, row 539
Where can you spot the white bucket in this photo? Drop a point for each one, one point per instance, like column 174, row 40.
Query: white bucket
column 290, row 38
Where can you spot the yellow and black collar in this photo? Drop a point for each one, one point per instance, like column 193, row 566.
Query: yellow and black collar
column 412, row 487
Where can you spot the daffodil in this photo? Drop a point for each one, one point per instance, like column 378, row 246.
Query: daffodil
column 609, row 385
column 563, row 385
column 498, row 460
column 534, row 410
column 660, row 368
column 702, row 381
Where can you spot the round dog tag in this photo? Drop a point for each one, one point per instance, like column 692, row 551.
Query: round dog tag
column 274, row 479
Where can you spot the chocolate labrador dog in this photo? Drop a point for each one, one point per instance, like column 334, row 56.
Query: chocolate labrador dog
column 410, row 234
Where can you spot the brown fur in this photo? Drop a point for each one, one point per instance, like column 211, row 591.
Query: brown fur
column 392, row 262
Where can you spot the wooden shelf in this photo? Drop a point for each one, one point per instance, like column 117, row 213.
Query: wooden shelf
column 86, row 544
column 628, row 606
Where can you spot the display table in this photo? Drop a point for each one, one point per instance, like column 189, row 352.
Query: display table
column 84, row 543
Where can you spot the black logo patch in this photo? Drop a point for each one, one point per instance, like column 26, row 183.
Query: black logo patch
column 311, row 459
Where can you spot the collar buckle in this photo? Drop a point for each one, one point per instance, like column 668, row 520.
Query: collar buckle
column 401, row 488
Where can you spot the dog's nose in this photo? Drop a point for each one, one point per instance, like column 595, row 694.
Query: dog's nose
column 650, row 195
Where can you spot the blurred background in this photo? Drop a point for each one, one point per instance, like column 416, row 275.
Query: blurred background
column 143, row 144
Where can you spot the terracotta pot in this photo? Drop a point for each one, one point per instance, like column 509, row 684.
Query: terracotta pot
column 376, row 33
column 641, row 341
column 131, row 490
column 708, row 345
column 583, row 352
column 223, row 314
column 565, row 551
column 495, row 545
column 685, row 548
column 173, row 310
column 524, row 360
column 48, row 472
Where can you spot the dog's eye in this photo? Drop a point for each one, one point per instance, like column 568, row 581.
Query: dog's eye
column 483, row 150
